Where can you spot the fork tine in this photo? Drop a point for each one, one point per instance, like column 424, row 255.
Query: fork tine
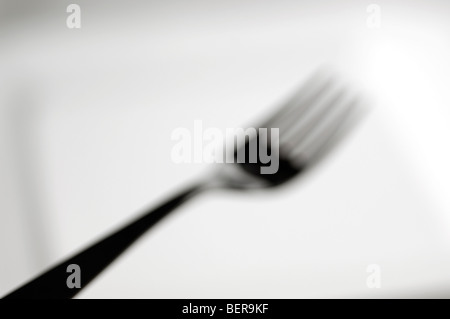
column 300, row 131
column 300, row 102
column 330, row 135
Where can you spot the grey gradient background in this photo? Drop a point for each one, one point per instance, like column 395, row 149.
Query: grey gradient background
column 86, row 117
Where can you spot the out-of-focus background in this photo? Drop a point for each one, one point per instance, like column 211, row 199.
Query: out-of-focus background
column 86, row 117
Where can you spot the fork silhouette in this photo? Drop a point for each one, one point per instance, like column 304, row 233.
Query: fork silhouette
column 310, row 123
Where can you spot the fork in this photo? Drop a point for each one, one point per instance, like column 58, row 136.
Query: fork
column 310, row 123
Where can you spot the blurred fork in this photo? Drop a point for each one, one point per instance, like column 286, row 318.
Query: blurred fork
column 309, row 123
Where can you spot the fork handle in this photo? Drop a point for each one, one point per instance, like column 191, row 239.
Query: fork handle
column 53, row 283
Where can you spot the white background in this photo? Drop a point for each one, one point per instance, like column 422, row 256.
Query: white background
column 86, row 120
